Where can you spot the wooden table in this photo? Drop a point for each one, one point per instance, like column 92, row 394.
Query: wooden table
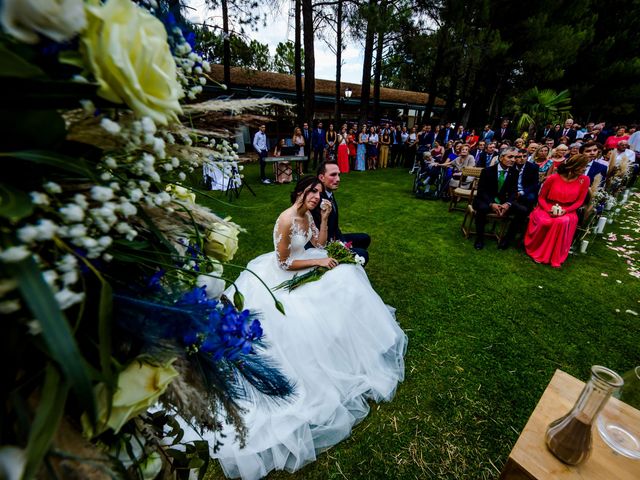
column 530, row 458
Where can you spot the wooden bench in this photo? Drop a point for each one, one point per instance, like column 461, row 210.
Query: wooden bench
column 530, row 458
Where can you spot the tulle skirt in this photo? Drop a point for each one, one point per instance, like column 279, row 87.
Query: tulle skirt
column 338, row 343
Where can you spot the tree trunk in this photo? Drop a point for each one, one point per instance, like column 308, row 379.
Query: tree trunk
column 298, row 65
column 435, row 75
column 376, row 77
column 338, row 63
column 226, row 45
column 451, row 98
column 309, row 61
column 366, row 72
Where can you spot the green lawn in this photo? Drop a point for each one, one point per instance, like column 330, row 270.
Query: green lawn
column 486, row 329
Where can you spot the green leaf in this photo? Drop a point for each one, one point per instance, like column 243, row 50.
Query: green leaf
column 62, row 162
column 52, row 400
column 14, row 204
column 56, row 331
column 12, row 65
column 238, row 300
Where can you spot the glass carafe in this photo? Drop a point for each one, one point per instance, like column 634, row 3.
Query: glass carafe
column 569, row 437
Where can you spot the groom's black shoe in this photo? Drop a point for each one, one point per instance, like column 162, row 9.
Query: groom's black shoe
column 479, row 245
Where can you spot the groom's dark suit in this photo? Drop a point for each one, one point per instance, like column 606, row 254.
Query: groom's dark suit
column 359, row 241
column 489, row 193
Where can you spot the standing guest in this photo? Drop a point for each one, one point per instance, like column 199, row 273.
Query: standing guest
column 352, row 144
column 298, row 141
column 568, row 131
column 329, row 176
column 556, row 134
column 261, row 146
column 385, row 141
column 361, row 153
column 487, row 133
column 425, row 141
column 550, row 143
column 460, row 134
column 410, row 157
column 594, row 168
column 395, row 145
column 497, row 190
column 343, row 150
column 318, row 144
column 477, row 151
column 504, row 132
column 372, row 149
column 634, row 141
column 404, row 139
column 445, row 134
column 553, row 222
column 547, row 131
column 330, row 138
column 472, row 139
column 612, row 141
column 306, row 133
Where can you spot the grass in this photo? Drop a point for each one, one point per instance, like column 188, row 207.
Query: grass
column 486, row 329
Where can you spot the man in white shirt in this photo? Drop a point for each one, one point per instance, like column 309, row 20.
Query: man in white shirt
column 261, row 146
column 622, row 154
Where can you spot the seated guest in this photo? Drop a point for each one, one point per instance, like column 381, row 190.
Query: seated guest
column 437, row 151
column 463, row 160
column 497, row 190
column 553, row 222
column 531, row 149
column 526, row 198
column 621, row 156
column 559, row 155
column 594, row 168
column 542, row 160
column 488, row 157
column 574, row 148
column 612, row 141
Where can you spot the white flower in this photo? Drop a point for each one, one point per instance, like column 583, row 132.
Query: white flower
column 77, row 230
column 135, row 195
column 144, row 185
column 52, row 187
column 214, row 286
column 72, row 213
column 359, row 260
column 107, row 257
column 80, row 200
column 9, row 306
column 182, row 176
column 88, row 106
column 70, row 278
column 106, row 176
column 14, row 254
column 175, row 162
column 110, row 126
column 162, row 198
column 59, row 20
column 148, row 125
column 38, row 198
column 167, row 166
column 101, row 194
column 27, row 234
column 158, row 147
column 235, row 146
column 50, row 276
column 67, row 263
column 128, row 209
column 203, row 81
column 206, row 66
column 110, row 162
column 46, row 230
column 105, row 241
column 66, row 298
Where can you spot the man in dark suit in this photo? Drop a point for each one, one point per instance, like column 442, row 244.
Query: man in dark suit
column 478, row 150
column 485, row 159
column 445, row 134
column 567, row 131
column 590, row 149
column 329, row 175
column 546, row 132
column 487, row 134
column 306, row 133
column 504, row 132
column 318, row 143
column 497, row 190
column 526, row 198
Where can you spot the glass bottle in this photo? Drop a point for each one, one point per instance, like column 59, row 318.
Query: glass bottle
column 569, row 437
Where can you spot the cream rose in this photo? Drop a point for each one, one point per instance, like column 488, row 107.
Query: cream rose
column 181, row 193
column 59, row 20
column 140, row 385
column 126, row 49
column 222, row 242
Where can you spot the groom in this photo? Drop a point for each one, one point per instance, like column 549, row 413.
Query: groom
column 329, row 175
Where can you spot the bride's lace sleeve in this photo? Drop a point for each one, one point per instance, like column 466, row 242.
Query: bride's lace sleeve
column 282, row 242
column 315, row 233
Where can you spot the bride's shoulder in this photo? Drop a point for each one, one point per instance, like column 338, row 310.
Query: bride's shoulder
column 285, row 219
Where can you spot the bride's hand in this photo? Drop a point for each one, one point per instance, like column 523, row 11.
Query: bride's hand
column 325, row 208
column 327, row 263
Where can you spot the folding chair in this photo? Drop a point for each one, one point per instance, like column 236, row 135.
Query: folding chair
column 465, row 194
column 498, row 228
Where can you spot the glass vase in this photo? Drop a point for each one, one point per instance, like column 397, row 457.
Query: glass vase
column 569, row 437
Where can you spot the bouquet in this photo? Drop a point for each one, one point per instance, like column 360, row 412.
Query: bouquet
column 337, row 250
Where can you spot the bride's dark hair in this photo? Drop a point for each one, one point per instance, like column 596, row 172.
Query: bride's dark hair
column 309, row 182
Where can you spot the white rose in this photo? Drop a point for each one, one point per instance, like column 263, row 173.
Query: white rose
column 214, row 286
column 59, row 20
column 222, row 242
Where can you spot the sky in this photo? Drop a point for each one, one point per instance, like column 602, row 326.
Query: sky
column 277, row 31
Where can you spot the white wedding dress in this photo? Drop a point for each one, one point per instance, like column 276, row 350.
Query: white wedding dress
column 338, row 343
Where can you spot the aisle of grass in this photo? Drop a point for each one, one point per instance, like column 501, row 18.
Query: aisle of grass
column 486, row 329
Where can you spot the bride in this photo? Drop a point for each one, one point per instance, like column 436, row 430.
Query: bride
column 339, row 344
